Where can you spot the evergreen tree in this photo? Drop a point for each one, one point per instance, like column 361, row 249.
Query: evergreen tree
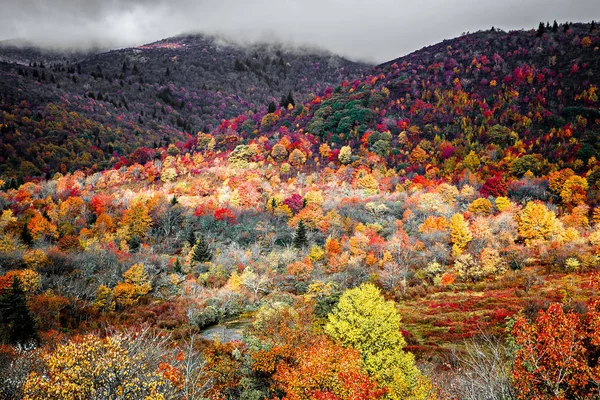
column 291, row 99
column 300, row 239
column 287, row 100
column 272, row 107
column 555, row 27
column 134, row 243
column 201, row 253
column 177, row 267
column 16, row 323
column 191, row 239
column 26, row 237
column 593, row 26
column 283, row 101
column 541, row 29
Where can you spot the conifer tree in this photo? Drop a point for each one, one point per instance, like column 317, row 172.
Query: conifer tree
column 191, row 239
column 555, row 27
column 541, row 29
column 201, row 253
column 16, row 323
column 300, row 239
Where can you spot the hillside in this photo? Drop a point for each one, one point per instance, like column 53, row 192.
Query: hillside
column 443, row 205
column 69, row 111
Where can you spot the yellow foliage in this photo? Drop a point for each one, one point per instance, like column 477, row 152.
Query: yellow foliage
column 9, row 243
column 557, row 179
column 536, row 222
column 502, row 203
column 285, row 168
column 481, row 206
column 137, row 276
column 448, row 193
column 30, row 280
column 35, row 259
column 596, row 216
column 345, row 155
column 297, row 158
column 93, row 368
column 136, row 221
column 459, row 233
column 316, row 253
column 314, row 197
column 574, row 191
column 368, row 183
column 269, row 120
column 125, row 294
column 168, row 174
column 471, row 161
column 234, row 282
column 594, row 238
column 467, row 192
column 6, row 218
column 359, row 244
column 104, row 299
column 279, row 152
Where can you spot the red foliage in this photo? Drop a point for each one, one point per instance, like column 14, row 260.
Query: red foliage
column 225, row 214
column 495, row 186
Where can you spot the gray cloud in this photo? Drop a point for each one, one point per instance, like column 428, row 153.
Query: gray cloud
column 376, row 30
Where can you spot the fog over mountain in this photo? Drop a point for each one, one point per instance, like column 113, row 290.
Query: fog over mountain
column 376, row 30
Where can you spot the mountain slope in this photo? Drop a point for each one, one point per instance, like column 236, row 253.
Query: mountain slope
column 62, row 112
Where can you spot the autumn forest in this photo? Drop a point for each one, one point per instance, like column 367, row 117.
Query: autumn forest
column 196, row 219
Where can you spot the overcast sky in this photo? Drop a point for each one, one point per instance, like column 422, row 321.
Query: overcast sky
column 374, row 30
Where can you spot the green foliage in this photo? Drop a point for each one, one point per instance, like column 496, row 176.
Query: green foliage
column 528, row 162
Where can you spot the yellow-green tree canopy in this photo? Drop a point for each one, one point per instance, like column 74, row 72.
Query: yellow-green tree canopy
column 365, row 321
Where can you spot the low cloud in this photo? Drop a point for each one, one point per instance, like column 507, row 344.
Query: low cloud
column 375, row 30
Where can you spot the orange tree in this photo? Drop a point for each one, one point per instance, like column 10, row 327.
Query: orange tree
column 557, row 354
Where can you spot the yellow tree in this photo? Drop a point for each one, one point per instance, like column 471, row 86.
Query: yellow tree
column 345, row 155
column 460, row 235
column 365, row 321
column 94, row 368
column 135, row 285
column 136, row 221
column 279, row 152
column 536, row 222
column 297, row 158
column 481, row 206
column 574, row 191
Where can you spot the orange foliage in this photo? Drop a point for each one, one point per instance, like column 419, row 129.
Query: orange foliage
column 434, row 224
column 326, row 370
column 40, row 228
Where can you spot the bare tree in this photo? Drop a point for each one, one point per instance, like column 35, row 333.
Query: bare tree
column 483, row 370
